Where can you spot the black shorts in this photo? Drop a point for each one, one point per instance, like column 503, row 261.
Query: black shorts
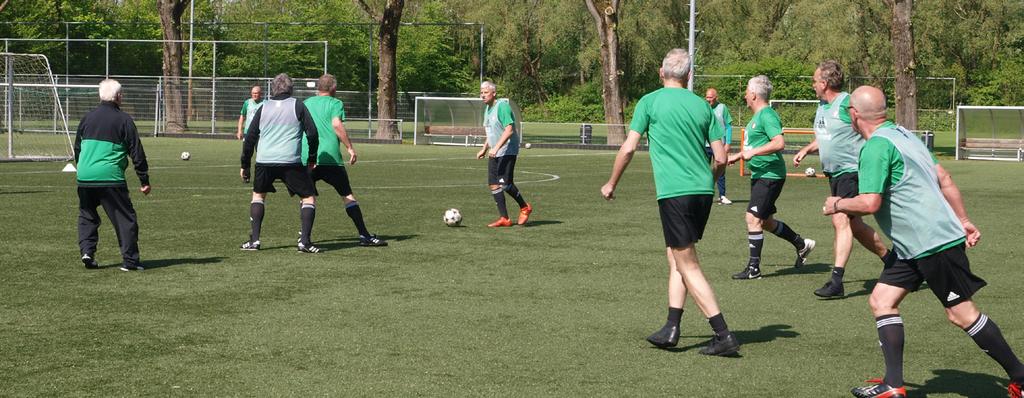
column 845, row 185
column 948, row 274
column 500, row 170
column 335, row 176
column 296, row 178
column 763, row 194
column 683, row 218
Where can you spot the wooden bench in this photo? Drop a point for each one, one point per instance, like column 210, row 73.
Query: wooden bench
column 988, row 148
column 467, row 135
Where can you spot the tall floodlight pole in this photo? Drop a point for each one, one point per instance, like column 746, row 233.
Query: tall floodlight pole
column 191, row 20
column 692, row 46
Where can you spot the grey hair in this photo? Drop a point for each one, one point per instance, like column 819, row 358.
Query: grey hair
column 676, row 65
column 109, row 89
column 282, row 84
column 832, row 74
column 326, row 83
column 761, row 87
column 490, row 85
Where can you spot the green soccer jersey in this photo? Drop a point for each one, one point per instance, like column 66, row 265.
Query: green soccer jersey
column 838, row 144
column 764, row 126
column 914, row 212
column 249, row 108
column 677, row 124
column 724, row 121
column 496, row 118
column 324, row 109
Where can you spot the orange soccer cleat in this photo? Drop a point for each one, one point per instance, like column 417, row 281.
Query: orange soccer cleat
column 524, row 214
column 502, row 222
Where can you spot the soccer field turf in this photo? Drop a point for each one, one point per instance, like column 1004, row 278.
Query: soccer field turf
column 559, row 307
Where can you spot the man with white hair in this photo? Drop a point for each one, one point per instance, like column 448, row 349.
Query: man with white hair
column 917, row 204
column 838, row 145
column 501, row 149
column 677, row 124
column 763, row 143
column 105, row 137
column 276, row 137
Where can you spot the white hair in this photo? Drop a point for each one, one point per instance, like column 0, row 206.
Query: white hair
column 761, row 87
column 109, row 89
column 489, row 85
column 676, row 65
column 282, row 84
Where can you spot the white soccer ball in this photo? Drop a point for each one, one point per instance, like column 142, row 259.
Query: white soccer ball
column 452, row 217
column 528, row 145
column 810, row 172
column 186, row 156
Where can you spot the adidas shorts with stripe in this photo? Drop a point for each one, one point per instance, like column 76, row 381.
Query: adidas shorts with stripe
column 948, row 274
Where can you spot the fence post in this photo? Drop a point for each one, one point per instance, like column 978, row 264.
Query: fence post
column 156, row 107
column 106, row 50
column 213, row 93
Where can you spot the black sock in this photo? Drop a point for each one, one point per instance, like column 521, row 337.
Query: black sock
column 357, row 217
column 513, row 191
column 718, row 325
column 756, row 241
column 308, row 213
column 988, row 336
column 499, row 199
column 785, row 232
column 837, row 275
column 674, row 316
column 256, row 210
column 890, row 337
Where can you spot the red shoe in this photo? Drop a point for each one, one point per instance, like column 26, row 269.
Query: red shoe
column 524, row 214
column 1015, row 389
column 879, row 390
column 502, row 222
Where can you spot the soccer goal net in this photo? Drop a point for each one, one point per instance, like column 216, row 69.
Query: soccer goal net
column 33, row 123
column 990, row 132
column 453, row 121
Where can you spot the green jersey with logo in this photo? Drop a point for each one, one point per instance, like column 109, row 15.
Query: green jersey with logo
column 496, row 118
column 324, row 109
column 677, row 124
column 838, row 145
column 249, row 108
column 764, row 126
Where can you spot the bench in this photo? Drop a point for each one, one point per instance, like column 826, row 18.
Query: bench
column 989, row 148
column 457, row 135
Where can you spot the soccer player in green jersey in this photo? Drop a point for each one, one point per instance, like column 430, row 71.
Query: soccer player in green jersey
column 917, row 205
column 249, row 108
column 329, row 115
column 501, row 150
column 677, row 124
column 838, row 146
column 763, row 143
column 724, row 119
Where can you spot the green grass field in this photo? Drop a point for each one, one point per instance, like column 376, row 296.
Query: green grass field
column 557, row 308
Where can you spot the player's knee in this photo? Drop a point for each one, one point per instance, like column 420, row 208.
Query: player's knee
column 309, row 200
column 841, row 221
column 496, row 189
column 349, row 199
column 881, row 305
column 962, row 315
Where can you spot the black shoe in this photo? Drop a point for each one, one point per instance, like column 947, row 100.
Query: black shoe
column 90, row 263
column 128, row 268
column 801, row 255
column 880, row 390
column 668, row 336
column 722, row 346
column 251, row 246
column 830, row 290
column 371, row 240
column 748, row 273
column 308, row 248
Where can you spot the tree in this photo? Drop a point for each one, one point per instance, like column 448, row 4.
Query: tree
column 170, row 22
column 387, row 76
column 902, row 34
column 606, row 18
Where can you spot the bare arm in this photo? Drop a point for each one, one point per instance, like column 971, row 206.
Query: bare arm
column 339, row 130
column 777, row 143
column 952, row 194
column 810, row 148
column 622, row 160
column 860, row 205
column 720, row 152
column 241, row 126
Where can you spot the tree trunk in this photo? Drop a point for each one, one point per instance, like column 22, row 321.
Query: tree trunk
column 387, row 76
column 170, row 22
column 902, row 34
column 606, row 17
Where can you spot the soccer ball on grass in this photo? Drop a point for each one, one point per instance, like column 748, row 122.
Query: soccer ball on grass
column 809, row 172
column 186, row 156
column 452, row 217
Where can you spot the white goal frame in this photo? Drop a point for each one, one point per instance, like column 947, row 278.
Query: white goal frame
column 60, row 119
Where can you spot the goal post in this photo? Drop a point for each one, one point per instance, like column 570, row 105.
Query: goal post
column 990, row 132
column 33, row 121
column 453, row 121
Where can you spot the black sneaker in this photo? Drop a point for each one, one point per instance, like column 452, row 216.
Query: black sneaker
column 308, row 249
column 90, row 263
column 722, row 346
column 128, row 268
column 251, row 246
column 371, row 240
column 748, row 273
column 668, row 336
column 879, row 390
column 830, row 290
column 801, row 255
